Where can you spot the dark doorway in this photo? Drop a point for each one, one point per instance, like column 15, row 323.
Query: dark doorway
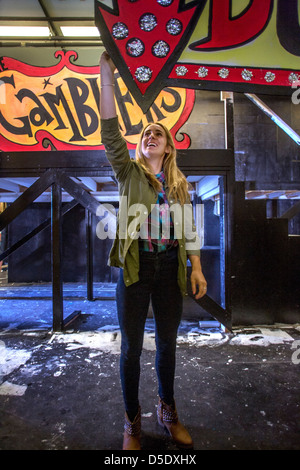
column 211, row 172
column 208, row 203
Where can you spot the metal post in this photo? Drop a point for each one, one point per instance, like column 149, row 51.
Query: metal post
column 228, row 202
column 222, row 243
column 89, row 254
column 56, row 239
column 227, row 97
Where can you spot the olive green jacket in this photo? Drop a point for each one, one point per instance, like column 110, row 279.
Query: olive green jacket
column 137, row 199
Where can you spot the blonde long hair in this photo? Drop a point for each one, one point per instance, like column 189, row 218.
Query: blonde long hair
column 175, row 179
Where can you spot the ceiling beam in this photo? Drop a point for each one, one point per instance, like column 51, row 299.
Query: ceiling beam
column 26, row 182
column 90, row 183
column 56, row 19
column 100, row 196
column 54, row 30
column 52, row 42
column 9, row 185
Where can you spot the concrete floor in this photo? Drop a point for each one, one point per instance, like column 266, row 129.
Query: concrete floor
column 61, row 391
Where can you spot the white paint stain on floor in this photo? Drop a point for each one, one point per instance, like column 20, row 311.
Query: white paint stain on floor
column 10, row 360
column 108, row 339
column 10, row 389
column 264, row 337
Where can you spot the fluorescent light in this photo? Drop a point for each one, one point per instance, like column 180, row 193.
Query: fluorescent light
column 80, row 31
column 24, row 31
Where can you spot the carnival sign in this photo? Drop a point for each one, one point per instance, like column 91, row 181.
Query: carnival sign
column 233, row 45
column 57, row 107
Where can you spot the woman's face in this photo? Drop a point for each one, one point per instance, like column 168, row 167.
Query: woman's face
column 154, row 142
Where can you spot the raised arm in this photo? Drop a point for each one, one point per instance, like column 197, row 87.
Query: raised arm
column 115, row 145
column 107, row 94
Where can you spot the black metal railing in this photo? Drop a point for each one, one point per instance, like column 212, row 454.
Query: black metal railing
column 55, row 169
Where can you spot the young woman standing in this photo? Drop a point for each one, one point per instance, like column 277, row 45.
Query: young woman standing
column 151, row 266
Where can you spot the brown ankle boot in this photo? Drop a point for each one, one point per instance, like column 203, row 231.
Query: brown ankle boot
column 132, row 433
column 168, row 418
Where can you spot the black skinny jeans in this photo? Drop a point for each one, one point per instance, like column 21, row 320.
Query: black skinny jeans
column 158, row 281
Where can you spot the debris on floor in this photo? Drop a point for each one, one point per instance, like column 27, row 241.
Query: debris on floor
column 58, row 391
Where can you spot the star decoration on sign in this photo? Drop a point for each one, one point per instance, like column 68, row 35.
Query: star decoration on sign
column 47, row 82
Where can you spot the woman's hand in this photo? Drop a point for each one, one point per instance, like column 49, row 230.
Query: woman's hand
column 198, row 281
column 107, row 68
